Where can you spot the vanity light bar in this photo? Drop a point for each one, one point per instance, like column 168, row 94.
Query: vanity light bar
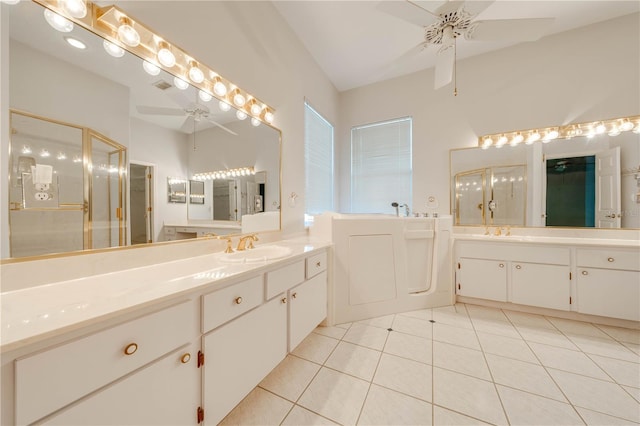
column 225, row 174
column 114, row 25
column 612, row 127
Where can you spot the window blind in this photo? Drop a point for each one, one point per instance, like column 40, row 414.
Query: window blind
column 318, row 157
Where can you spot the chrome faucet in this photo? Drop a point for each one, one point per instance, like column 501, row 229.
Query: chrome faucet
column 246, row 242
column 406, row 209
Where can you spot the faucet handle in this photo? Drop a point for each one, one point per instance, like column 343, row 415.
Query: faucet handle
column 508, row 231
column 229, row 249
column 486, row 230
column 498, row 231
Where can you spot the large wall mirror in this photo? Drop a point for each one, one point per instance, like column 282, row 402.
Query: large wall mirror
column 585, row 182
column 165, row 127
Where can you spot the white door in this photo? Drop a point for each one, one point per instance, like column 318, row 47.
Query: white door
column 608, row 208
column 148, row 203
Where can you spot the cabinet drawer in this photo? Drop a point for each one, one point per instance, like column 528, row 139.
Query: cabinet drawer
column 169, row 230
column 56, row 377
column 283, row 279
column 226, row 304
column 514, row 252
column 316, row 264
column 609, row 258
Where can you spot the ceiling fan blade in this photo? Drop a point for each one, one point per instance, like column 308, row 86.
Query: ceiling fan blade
column 449, row 6
column 444, row 66
column 476, row 7
column 408, row 11
column 509, row 29
column 142, row 109
column 180, row 97
column 221, row 126
column 188, row 126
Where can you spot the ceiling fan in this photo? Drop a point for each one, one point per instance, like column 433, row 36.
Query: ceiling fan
column 453, row 19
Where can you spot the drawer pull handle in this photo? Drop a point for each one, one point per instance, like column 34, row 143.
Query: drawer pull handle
column 611, row 259
column 284, row 300
column 185, row 358
column 294, row 295
column 238, row 300
column 131, row 349
column 501, row 265
column 518, row 267
column 318, row 264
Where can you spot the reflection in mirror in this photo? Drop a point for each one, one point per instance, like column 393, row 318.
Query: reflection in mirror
column 177, row 190
column 175, row 132
column 196, row 192
column 591, row 182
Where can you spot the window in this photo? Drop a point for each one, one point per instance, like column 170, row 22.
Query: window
column 318, row 158
column 381, row 166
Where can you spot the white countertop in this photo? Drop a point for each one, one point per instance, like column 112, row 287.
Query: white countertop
column 37, row 313
column 233, row 225
column 603, row 242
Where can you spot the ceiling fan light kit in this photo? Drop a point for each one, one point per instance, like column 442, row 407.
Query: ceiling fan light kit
column 124, row 33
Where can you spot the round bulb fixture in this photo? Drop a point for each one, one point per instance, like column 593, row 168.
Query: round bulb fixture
column 637, row 128
column 204, row 96
column 268, row 117
column 150, row 68
column 219, row 88
column 517, row 139
column 601, row 128
column 26, row 149
column 255, row 122
column 241, row 115
column 58, row 22
column 535, row 136
column 75, row 8
column 165, row 56
column 195, row 74
column 485, row 146
column 224, row 106
column 487, row 141
column 626, row 126
column 238, row 99
column 10, row 1
column 113, row 50
column 61, row 156
column 75, row 43
column 180, row 83
column 127, row 34
column 501, row 141
column 551, row 135
column 591, row 133
column 44, row 153
column 256, row 109
column 615, row 131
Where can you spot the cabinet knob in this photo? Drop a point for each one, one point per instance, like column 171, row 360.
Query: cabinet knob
column 283, row 300
column 131, row 349
column 611, row 259
column 294, row 295
column 585, row 273
column 185, row 358
column 318, row 264
column 238, row 300
column 518, row 267
column 501, row 265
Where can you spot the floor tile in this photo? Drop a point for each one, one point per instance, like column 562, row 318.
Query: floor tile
column 355, row 360
column 455, row 315
column 467, row 395
column 404, row 375
column 604, row 397
column 633, row 347
column 302, row 417
column 506, row 346
column 485, row 313
column 524, row 408
column 258, row 408
column 444, row 417
column 568, row 360
column 408, row 346
column 524, row 376
column 386, row 407
column 598, row 419
column 460, row 359
column 528, row 320
column 455, row 335
column 621, row 334
column 345, row 325
column 623, row 372
column 380, row 322
column 290, row 377
column 315, row 348
column 634, row 392
column 365, row 335
column 500, row 328
column 334, row 332
column 579, row 328
column 413, row 326
column 544, row 335
column 336, row 396
column 604, row 347
column 423, row 314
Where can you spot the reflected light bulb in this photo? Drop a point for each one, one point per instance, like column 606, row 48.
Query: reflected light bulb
column 150, row 68
column 241, row 115
column 626, row 126
column 75, row 43
column 113, row 50
column 75, row 8
column 615, row 131
column 224, row 106
column 127, row 34
column 204, row 96
column 601, row 128
column 180, row 83
column 255, row 122
column 165, row 57
column 58, row 22
column 10, row 1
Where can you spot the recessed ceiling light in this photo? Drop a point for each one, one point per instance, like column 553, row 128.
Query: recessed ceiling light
column 75, row 43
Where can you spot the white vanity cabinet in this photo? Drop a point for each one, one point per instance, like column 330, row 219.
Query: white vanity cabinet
column 482, row 278
column 543, row 285
column 608, row 282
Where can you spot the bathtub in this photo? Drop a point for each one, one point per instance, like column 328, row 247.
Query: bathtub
column 383, row 264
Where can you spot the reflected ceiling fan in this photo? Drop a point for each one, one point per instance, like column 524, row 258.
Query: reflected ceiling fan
column 453, row 19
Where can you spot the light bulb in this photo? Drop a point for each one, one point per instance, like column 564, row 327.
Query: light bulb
column 127, row 34
column 150, row 68
column 601, row 128
column 75, row 8
column 224, row 106
column 241, row 115
column 165, row 57
column 58, row 22
column 551, row 135
column 61, row 156
column 219, row 88
column 75, row 43
column 487, row 141
column 10, row 1
column 501, row 141
column 256, row 109
column 615, row 131
column 44, row 153
column 591, row 133
column 255, row 122
column 626, row 126
column 517, row 139
column 204, row 96
column 485, row 146
column 26, row 149
column 238, row 99
column 113, row 50
column 195, row 74
column 268, row 117
column 637, row 129
column 180, row 83
column 533, row 137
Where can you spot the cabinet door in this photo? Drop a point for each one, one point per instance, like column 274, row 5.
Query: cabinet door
column 307, row 308
column 166, row 392
column 609, row 293
column 240, row 354
column 547, row 286
column 481, row 278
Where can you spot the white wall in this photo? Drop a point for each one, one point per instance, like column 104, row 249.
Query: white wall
column 581, row 75
column 4, row 129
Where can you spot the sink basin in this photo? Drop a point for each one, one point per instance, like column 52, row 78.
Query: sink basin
column 258, row 254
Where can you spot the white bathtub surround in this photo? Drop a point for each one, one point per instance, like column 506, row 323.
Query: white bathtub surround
column 384, row 264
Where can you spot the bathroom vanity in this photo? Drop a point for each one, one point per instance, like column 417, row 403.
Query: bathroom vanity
column 181, row 342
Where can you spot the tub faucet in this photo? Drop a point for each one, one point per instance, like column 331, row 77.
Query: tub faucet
column 406, row 209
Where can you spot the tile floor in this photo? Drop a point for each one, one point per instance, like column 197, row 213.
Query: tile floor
column 458, row 365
